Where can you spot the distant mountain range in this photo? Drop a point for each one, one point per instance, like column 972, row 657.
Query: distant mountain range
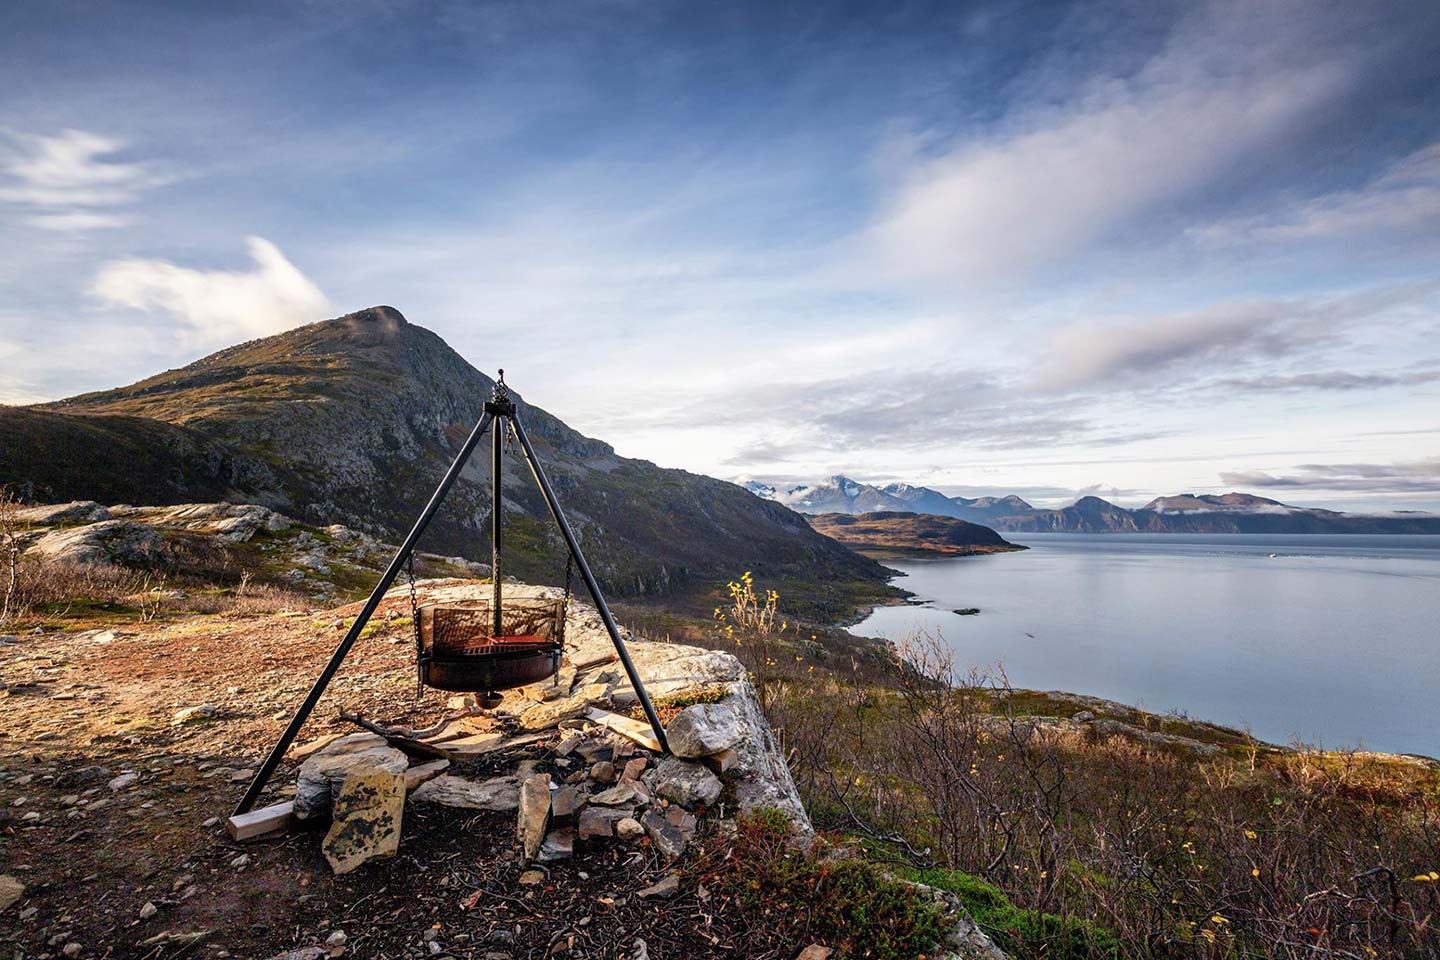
column 353, row 421
column 1186, row 513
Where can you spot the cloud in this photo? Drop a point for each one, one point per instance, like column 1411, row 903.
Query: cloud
column 1053, row 179
column 1328, row 380
column 1096, row 353
column 217, row 306
column 1414, row 477
column 71, row 181
column 1405, row 197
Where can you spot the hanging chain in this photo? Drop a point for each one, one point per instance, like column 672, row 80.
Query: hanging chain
column 415, row 622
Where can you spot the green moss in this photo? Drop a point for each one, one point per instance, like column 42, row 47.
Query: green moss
column 1019, row 932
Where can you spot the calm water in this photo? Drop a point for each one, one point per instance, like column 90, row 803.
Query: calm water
column 1334, row 640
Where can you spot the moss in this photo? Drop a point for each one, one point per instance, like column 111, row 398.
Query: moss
column 1023, row 933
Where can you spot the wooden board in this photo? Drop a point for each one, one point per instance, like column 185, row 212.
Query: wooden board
column 256, row 823
column 635, row 730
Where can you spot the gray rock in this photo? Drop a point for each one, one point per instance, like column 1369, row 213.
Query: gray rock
column 686, row 783
column 666, row 837
column 619, row 795
column 667, row 887
column 703, row 730
column 124, row 780
column 323, row 772
column 559, row 844
column 196, row 714
column 501, row 794
column 600, row 821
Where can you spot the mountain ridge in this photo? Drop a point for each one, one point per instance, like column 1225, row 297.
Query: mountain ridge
column 1232, row 512
column 353, row 420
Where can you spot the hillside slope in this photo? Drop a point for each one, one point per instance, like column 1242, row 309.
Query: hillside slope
column 910, row 533
column 353, row 420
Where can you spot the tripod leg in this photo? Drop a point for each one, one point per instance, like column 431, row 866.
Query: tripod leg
column 267, row 769
column 544, row 483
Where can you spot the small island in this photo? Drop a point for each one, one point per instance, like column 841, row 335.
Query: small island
column 889, row 533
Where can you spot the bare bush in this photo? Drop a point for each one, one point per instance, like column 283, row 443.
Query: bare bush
column 1244, row 853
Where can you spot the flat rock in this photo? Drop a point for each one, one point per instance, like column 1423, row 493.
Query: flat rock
column 600, row 821
column 667, row 886
column 622, row 793
column 666, row 837
column 559, row 844
column 686, row 783
column 533, row 815
column 501, row 794
column 324, row 771
column 702, row 730
column 365, row 819
column 543, row 716
column 814, row 952
column 420, row 773
column 565, row 801
column 196, row 714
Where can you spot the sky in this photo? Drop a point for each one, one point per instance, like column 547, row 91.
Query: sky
column 1117, row 248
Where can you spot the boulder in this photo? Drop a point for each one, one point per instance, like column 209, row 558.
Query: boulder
column 323, row 772
column 500, row 794
column 686, row 783
column 365, row 819
column 534, row 814
column 702, row 730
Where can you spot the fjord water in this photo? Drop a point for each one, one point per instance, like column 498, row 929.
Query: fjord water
column 1332, row 640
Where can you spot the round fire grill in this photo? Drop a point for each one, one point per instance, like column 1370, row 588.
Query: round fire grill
column 461, row 651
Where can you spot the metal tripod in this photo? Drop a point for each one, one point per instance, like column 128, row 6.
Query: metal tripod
column 499, row 409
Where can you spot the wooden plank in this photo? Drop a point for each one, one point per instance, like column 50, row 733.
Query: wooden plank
column 630, row 729
column 722, row 761
column 277, row 816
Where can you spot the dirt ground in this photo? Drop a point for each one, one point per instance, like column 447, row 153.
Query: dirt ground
column 91, row 857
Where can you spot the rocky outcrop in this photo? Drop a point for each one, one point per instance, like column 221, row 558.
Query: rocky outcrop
column 108, row 541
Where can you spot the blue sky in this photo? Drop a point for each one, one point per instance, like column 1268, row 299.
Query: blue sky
column 1121, row 248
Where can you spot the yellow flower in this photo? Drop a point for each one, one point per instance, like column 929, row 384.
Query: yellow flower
column 1250, row 834
column 1255, row 872
column 1430, row 877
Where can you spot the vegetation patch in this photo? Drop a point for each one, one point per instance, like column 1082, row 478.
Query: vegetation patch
column 788, row 897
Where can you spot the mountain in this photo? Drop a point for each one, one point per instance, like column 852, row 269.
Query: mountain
column 910, row 533
column 354, row 420
column 1186, row 513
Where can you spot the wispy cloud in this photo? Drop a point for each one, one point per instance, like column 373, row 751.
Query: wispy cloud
column 217, row 306
column 1404, row 198
column 1329, row 380
column 1097, row 353
column 1417, row 477
column 71, row 181
column 1053, row 179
